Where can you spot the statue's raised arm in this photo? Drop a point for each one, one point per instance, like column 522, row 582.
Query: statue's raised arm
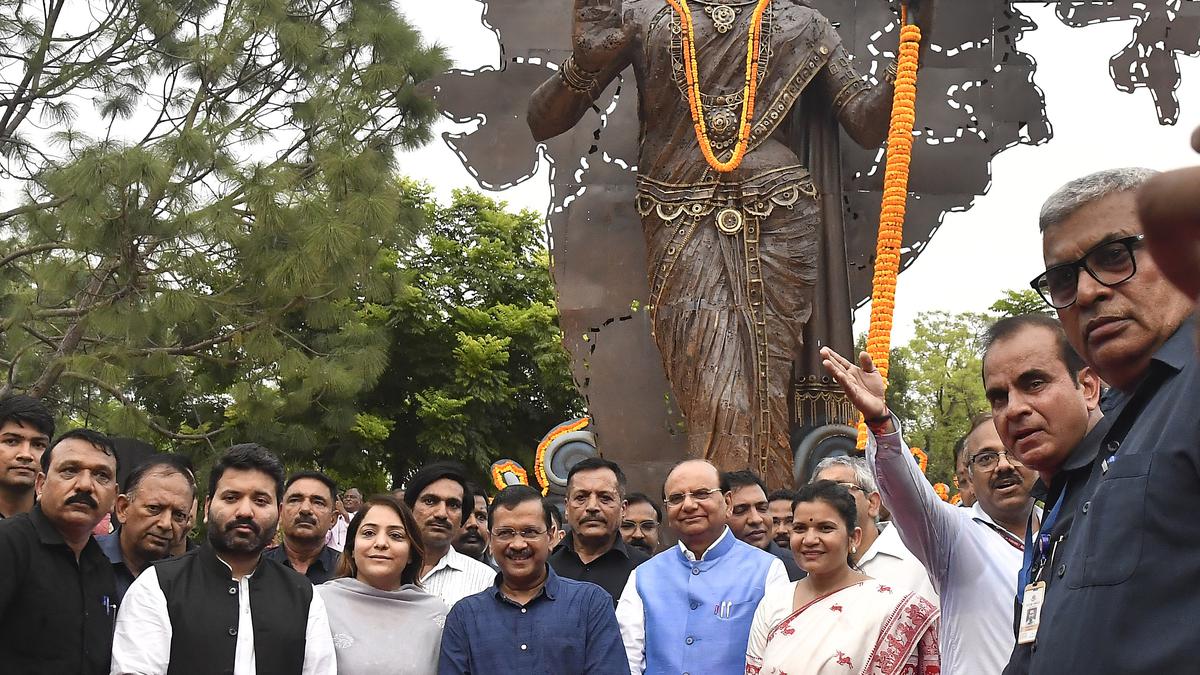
column 600, row 40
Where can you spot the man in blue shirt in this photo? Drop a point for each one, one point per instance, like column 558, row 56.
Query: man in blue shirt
column 532, row 620
column 1127, row 600
column 152, row 512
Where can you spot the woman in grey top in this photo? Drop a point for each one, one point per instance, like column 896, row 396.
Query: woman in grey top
column 381, row 620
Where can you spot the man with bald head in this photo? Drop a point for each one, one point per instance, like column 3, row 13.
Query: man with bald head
column 689, row 608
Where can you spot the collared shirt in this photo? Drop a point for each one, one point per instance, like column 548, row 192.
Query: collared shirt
column 632, row 610
column 335, row 538
column 1129, row 599
column 973, row 567
column 456, row 576
column 610, row 571
column 110, row 544
column 890, row 561
column 319, row 571
column 568, row 628
column 142, row 641
column 794, row 571
column 56, row 612
column 1069, row 485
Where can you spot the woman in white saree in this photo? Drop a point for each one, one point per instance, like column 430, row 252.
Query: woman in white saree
column 837, row 619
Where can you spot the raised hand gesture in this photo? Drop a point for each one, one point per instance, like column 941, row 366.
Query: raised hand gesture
column 862, row 383
column 599, row 33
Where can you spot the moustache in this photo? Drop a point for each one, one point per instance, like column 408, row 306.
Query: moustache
column 1003, row 480
column 443, row 522
column 240, row 522
column 82, row 498
column 593, row 519
column 307, row 520
column 472, row 536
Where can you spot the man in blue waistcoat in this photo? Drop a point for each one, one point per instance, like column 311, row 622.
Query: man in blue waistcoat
column 688, row 609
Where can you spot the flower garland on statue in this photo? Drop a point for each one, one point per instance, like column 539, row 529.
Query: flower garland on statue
column 922, row 458
column 508, row 466
column 691, row 72
column 895, row 197
column 539, row 458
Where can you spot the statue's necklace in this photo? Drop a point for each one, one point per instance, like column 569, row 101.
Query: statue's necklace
column 724, row 12
column 692, row 78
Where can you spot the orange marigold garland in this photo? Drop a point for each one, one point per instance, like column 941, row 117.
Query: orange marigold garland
column 691, row 73
column 895, row 199
column 921, row 457
column 539, row 458
column 508, row 466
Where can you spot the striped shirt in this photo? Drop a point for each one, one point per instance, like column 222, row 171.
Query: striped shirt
column 456, row 576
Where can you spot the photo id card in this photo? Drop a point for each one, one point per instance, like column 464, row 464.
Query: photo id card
column 1031, row 612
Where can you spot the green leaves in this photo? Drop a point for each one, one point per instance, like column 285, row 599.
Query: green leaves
column 224, row 262
column 477, row 370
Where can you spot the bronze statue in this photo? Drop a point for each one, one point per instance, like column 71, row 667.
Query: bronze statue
column 734, row 256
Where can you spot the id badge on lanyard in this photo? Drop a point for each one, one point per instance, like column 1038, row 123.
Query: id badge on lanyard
column 1031, row 612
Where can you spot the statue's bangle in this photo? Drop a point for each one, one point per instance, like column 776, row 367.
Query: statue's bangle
column 891, row 72
column 577, row 79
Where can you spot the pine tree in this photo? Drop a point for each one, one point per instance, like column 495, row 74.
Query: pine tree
column 189, row 262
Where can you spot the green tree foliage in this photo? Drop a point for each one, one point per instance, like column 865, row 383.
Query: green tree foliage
column 199, row 266
column 478, row 370
column 1018, row 302
column 945, row 386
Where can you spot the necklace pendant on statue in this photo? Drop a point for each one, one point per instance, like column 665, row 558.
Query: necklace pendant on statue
column 722, row 17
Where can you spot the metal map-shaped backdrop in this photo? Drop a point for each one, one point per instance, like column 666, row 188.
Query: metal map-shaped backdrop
column 978, row 95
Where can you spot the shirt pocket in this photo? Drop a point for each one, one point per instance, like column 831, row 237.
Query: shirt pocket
column 562, row 655
column 1113, row 524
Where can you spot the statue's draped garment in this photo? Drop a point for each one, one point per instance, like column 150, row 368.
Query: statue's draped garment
column 729, row 306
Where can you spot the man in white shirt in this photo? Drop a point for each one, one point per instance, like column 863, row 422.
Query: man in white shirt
column 440, row 501
column 973, row 554
column 224, row 608
column 689, row 608
column 881, row 554
column 345, row 507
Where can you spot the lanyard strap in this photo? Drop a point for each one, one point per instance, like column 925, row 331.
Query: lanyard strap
column 1004, row 534
column 1036, row 549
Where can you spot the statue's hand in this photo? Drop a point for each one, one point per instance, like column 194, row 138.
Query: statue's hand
column 862, row 383
column 599, row 33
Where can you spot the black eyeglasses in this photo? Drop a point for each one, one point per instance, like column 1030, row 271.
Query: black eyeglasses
column 1110, row 264
column 988, row 460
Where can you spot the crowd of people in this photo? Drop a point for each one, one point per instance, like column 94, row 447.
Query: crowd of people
column 1069, row 552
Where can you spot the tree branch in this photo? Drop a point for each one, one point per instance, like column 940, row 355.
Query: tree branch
column 124, row 400
column 22, row 252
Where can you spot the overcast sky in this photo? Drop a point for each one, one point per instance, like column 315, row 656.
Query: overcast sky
column 978, row 253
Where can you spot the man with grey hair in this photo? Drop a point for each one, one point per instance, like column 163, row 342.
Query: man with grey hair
column 880, row 554
column 1133, row 533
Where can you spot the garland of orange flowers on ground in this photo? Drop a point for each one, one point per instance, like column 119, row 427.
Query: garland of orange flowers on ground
column 895, row 199
column 539, row 458
column 691, row 71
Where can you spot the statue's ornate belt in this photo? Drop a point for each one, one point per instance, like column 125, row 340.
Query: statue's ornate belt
column 732, row 201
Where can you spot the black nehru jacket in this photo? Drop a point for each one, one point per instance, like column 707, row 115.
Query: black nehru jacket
column 56, row 614
column 610, row 571
column 202, row 601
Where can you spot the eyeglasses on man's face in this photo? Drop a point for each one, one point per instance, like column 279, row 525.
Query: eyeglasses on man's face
column 699, row 496
column 988, row 460
column 854, row 487
column 1110, row 264
column 528, row 534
